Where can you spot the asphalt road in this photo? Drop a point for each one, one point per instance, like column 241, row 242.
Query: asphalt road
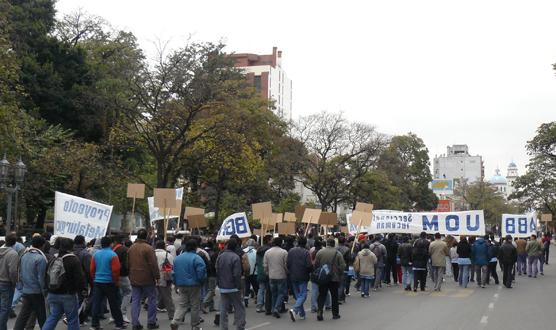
column 528, row 304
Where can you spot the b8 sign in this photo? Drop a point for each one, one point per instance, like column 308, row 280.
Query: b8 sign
column 235, row 224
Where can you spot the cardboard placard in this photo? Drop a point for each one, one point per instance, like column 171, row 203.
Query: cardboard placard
column 278, row 218
column 364, row 207
column 286, row 228
column 269, row 221
column 136, row 190
column 191, row 211
column 165, row 198
column 289, row 217
column 547, row 217
column 262, row 211
column 361, row 218
column 328, row 219
column 311, row 216
column 299, row 212
column 257, row 232
column 197, row 221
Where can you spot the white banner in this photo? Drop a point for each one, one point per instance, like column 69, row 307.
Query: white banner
column 154, row 212
column 469, row 223
column 234, row 224
column 79, row 216
column 519, row 225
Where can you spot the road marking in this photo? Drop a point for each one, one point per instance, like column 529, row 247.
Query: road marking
column 484, row 319
column 259, row 326
column 491, row 305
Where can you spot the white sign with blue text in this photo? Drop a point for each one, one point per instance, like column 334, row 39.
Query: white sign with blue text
column 519, row 225
column 234, row 224
column 79, row 216
column 469, row 223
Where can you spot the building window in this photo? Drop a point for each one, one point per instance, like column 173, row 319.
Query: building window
column 257, row 83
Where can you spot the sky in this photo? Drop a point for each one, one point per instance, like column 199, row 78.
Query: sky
column 452, row 72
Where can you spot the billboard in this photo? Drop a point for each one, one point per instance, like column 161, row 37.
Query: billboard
column 443, row 186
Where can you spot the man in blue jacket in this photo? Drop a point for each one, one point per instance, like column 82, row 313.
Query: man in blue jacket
column 189, row 274
column 32, row 270
column 479, row 255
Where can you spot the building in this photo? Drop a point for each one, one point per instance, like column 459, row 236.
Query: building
column 458, row 164
column 265, row 73
column 505, row 184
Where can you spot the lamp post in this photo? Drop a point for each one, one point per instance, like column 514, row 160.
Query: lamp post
column 11, row 181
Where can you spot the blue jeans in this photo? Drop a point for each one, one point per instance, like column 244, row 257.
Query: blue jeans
column 463, row 275
column 278, row 289
column 300, row 292
column 407, row 276
column 522, row 264
column 61, row 304
column 533, row 265
column 6, row 297
column 138, row 293
column 365, row 284
column 260, row 295
column 315, row 295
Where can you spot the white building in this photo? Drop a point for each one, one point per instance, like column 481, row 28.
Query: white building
column 458, row 164
column 505, row 184
column 265, row 73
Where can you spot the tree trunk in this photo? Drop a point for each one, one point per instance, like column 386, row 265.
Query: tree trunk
column 41, row 217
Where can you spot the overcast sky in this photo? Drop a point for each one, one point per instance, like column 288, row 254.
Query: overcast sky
column 453, row 72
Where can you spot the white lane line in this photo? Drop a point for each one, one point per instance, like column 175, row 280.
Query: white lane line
column 259, row 326
column 491, row 305
column 484, row 319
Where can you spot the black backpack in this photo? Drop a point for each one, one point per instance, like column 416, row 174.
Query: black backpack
column 322, row 275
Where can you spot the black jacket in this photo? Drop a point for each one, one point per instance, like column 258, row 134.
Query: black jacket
column 391, row 250
column 121, row 251
column 404, row 252
column 507, row 254
column 464, row 250
column 493, row 251
column 299, row 264
column 74, row 278
column 420, row 253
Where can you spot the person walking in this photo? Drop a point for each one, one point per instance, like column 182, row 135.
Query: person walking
column 143, row 275
column 392, row 246
column 314, row 286
column 208, row 301
column 507, row 255
column 8, row 278
column 276, row 267
column 493, row 251
column 419, row 259
column 364, row 264
column 534, row 250
column 479, row 255
column 521, row 245
column 404, row 253
column 438, row 251
column 454, row 260
column 264, row 300
column 331, row 257
column 251, row 277
column 189, row 275
column 80, row 250
column 228, row 273
column 32, row 274
column 299, row 267
column 165, row 262
column 105, row 272
column 381, row 254
column 546, row 247
column 124, row 285
column 464, row 261
column 62, row 294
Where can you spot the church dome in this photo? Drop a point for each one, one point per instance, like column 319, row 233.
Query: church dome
column 512, row 165
column 498, row 179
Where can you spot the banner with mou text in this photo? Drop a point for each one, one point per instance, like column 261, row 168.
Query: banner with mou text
column 234, row 224
column 79, row 216
column 468, row 223
column 519, row 225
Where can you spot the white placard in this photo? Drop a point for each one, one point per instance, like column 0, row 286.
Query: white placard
column 519, row 225
column 234, row 224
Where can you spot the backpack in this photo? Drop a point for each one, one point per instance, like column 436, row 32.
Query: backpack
column 322, row 275
column 167, row 269
column 55, row 276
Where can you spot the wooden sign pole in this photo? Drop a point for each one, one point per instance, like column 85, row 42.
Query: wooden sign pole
column 132, row 220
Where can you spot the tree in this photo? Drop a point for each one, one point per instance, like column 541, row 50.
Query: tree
column 406, row 162
column 376, row 187
column 339, row 154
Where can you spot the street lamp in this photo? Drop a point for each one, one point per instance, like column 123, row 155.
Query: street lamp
column 12, row 186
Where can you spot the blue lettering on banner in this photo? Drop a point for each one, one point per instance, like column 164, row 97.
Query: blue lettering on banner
column 233, row 226
column 510, row 225
column 83, row 209
column 428, row 225
column 449, row 219
column 477, row 223
column 522, row 225
column 78, row 228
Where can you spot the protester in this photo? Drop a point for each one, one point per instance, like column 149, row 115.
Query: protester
column 189, row 275
column 521, row 245
column 314, row 286
column 390, row 265
column 331, row 257
column 165, row 262
column 464, row 261
column 8, row 278
column 143, row 275
column 32, row 274
column 80, row 250
column 251, row 277
column 276, row 267
column 62, row 290
column 493, row 251
column 534, row 251
column 454, row 260
column 208, row 301
column 346, row 254
column 228, row 270
column 299, row 266
column 479, row 255
column 264, row 300
column 546, row 247
column 364, row 265
column 420, row 258
column 404, row 253
column 125, row 285
column 438, row 251
column 507, row 255
column 381, row 254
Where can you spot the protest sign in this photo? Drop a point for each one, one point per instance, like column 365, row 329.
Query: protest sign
column 353, row 228
column 364, row 207
column 289, row 217
column 278, row 218
column 328, row 219
column 156, row 214
column 299, row 211
column 262, row 211
column 286, row 228
column 311, row 216
column 547, row 217
column 135, row 190
column 519, row 225
column 197, row 221
column 79, row 216
column 234, row 224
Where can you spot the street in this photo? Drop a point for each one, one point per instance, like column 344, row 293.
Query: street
column 494, row 307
